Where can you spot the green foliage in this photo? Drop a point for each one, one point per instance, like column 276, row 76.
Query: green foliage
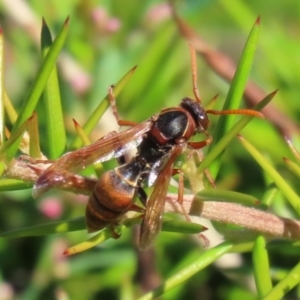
column 100, row 43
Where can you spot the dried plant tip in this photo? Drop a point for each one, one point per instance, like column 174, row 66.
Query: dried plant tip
column 68, row 252
column 67, row 20
column 257, row 22
column 76, row 124
column 292, row 147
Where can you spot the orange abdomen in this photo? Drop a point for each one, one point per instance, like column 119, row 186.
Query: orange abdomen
column 112, row 196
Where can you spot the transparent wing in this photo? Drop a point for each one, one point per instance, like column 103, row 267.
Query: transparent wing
column 103, row 149
column 151, row 224
column 157, row 166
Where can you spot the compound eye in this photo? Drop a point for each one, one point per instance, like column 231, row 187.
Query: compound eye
column 203, row 123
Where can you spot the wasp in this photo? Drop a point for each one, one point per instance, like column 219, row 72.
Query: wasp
column 159, row 141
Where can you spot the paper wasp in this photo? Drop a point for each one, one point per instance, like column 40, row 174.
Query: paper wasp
column 159, row 141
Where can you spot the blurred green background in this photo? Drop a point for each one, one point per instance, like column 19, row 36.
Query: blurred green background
column 105, row 40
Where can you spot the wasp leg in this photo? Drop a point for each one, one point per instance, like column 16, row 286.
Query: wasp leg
column 114, row 233
column 206, row 172
column 180, row 201
column 113, row 105
column 201, row 144
column 136, row 208
column 180, row 192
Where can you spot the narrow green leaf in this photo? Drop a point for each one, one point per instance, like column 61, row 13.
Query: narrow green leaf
column 182, row 226
column 82, row 135
column 55, row 129
column 14, row 185
column 2, row 168
column 10, row 110
column 153, row 60
column 35, row 91
column 235, row 92
column 45, row 229
column 14, row 138
column 203, row 260
column 261, row 267
column 34, row 142
column 292, row 166
column 2, row 91
column 224, row 141
column 284, row 187
column 170, row 225
column 95, row 240
column 211, row 103
column 100, row 110
column 242, row 247
column 285, row 285
column 292, row 147
column 226, row 196
column 269, row 196
column 98, row 167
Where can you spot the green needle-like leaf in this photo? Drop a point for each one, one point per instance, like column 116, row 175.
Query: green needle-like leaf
column 285, row 285
column 224, row 141
column 269, row 196
column 82, row 135
column 182, row 226
column 55, row 130
column 34, row 142
column 38, row 85
column 197, row 265
column 235, row 92
column 15, row 137
column 95, row 240
column 10, row 110
column 292, row 166
column 2, row 92
column 45, row 229
column 13, row 185
column 100, row 110
column 226, row 196
column 2, row 168
column 98, row 167
column 261, row 267
column 284, row 187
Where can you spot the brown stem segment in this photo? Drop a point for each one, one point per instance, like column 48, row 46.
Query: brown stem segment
column 253, row 219
column 229, row 213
